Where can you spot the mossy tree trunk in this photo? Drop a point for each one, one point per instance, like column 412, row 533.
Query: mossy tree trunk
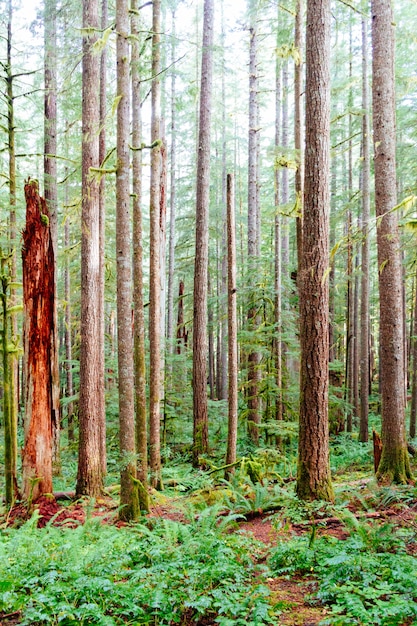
column 139, row 326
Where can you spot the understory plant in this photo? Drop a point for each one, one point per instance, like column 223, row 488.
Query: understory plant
column 369, row 578
column 164, row 575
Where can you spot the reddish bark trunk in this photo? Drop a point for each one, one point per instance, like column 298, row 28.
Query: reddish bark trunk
column 38, row 297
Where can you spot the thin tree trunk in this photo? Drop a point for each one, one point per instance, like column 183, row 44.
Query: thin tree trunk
column 394, row 465
column 154, row 267
column 50, row 172
column 12, row 379
column 38, row 296
column 277, row 254
column 254, row 417
column 222, row 378
column 366, row 176
column 314, row 480
column 413, row 408
column 172, row 198
column 232, row 327
column 139, row 326
column 298, row 127
column 200, row 409
column 68, row 342
column 284, row 181
column 128, row 488
column 102, row 219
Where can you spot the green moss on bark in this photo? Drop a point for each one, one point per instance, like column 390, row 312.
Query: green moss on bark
column 310, row 489
column 394, row 466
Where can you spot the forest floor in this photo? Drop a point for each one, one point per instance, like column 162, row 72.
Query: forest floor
column 292, row 593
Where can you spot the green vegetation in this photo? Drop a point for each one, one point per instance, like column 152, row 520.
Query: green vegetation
column 190, row 562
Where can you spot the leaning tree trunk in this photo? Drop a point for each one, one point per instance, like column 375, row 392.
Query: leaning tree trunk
column 38, row 297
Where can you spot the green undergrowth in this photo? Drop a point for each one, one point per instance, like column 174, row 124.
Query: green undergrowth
column 169, row 573
column 369, row 578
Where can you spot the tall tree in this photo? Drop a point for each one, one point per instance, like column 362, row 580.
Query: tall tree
column 8, row 277
column 139, row 326
column 298, row 127
column 200, row 408
column 366, row 175
column 51, row 195
column 102, row 221
column 172, row 194
column 394, row 465
column 278, row 251
column 90, row 466
column 154, row 263
column 128, row 487
column 232, row 327
column 253, row 235
column 313, row 479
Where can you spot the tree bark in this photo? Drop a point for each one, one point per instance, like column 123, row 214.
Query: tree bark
column 254, row 417
column 232, row 328
column 277, row 344
column 102, row 221
column 90, row 465
column 139, row 326
column 11, row 380
column 51, row 194
column 38, row 296
column 154, row 266
column 128, row 487
column 394, row 465
column 364, row 313
column 313, row 479
column 200, row 348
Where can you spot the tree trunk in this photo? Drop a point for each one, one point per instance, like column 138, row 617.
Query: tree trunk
column 50, row 172
column 38, row 296
column 232, row 328
column 413, row 408
column 254, row 417
column 68, row 340
column 313, row 479
column 102, row 211
column 139, row 326
column 277, row 344
column 154, row 267
column 172, row 200
column 298, row 127
column 200, row 411
column 11, row 380
column 394, row 465
column 364, row 313
column 90, row 465
column 128, row 487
